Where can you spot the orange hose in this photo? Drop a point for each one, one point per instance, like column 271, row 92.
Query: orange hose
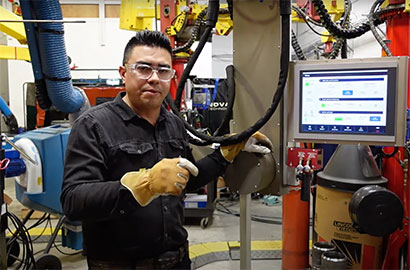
column 40, row 117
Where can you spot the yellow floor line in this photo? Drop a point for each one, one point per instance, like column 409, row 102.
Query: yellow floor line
column 201, row 249
column 38, row 231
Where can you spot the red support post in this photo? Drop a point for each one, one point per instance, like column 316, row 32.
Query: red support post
column 397, row 31
column 295, row 231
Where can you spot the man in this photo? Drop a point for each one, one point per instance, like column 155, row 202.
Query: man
column 127, row 164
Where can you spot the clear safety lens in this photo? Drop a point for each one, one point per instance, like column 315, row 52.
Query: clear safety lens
column 145, row 72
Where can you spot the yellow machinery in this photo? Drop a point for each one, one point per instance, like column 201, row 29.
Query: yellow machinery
column 16, row 30
column 138, row 15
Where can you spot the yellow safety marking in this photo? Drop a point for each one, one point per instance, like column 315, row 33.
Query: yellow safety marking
column 13, row 29
column 39, row 181
column 14, row 53
column 234, row 244
column 39, row 231
column 266, row 245
column 197, row 250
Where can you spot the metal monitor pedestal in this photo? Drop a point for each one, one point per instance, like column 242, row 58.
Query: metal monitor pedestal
column 3, row 217
column 256, row 45
column 245, row 231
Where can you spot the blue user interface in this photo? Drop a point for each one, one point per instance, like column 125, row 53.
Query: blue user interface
column 344, row 101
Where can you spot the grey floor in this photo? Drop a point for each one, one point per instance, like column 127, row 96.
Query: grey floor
column 224, row 227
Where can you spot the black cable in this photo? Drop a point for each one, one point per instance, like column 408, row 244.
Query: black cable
column 308, row 22
column 384, row 155
column 22, row 233
column 44, row 229
column 336, row 30
column 345, row 24
column 296, row 47
column 305, row 17
column 376, row 35
column 195, row 31
column 230, row 8
column 188, row 68
column 316, row 32
column 41, row 220
column 284, row 66
column 343, row 53
column 211, row 19
column 194, row 34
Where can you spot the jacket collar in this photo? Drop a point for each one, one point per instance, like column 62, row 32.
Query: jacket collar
column 127, row 113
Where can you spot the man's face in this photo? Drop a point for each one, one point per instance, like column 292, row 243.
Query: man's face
column 144, row 95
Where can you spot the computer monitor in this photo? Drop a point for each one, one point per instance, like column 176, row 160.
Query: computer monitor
column 351, row 101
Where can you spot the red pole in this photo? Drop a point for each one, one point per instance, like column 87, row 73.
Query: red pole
column 295, row 231
column 168, row 14
column 397, row 31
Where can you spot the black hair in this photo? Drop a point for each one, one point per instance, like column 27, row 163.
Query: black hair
column 147, row 38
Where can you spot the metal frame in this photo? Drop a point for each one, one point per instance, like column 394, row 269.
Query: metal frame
column 398, row 138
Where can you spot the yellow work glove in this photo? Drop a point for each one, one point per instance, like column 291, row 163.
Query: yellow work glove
column 167, row 177
column 257, row 143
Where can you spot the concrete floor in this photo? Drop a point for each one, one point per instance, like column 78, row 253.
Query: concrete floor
column 224, row 228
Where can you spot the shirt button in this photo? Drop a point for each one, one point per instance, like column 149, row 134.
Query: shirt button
column 165, row 208
column 166, row 235
column 122, row 212
column 139, row 151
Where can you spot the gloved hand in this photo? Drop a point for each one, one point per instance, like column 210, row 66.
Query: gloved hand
column 257, row 143
column 167, row 177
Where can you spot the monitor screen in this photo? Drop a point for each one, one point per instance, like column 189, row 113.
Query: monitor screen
column 350, row 101
column 347, row 101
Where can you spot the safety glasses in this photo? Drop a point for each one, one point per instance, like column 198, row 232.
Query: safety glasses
column 144, row 71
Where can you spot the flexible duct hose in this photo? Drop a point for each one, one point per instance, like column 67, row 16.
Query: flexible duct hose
column 9, row 117
column 41, row 91
column 54, row 61
column 285, row 11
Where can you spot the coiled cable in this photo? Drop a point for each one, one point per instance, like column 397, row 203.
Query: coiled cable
column 194, row 35
column 285, row 11
column 345, row 24
column 336, row 30
column 296, row 47
column 376, row 35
